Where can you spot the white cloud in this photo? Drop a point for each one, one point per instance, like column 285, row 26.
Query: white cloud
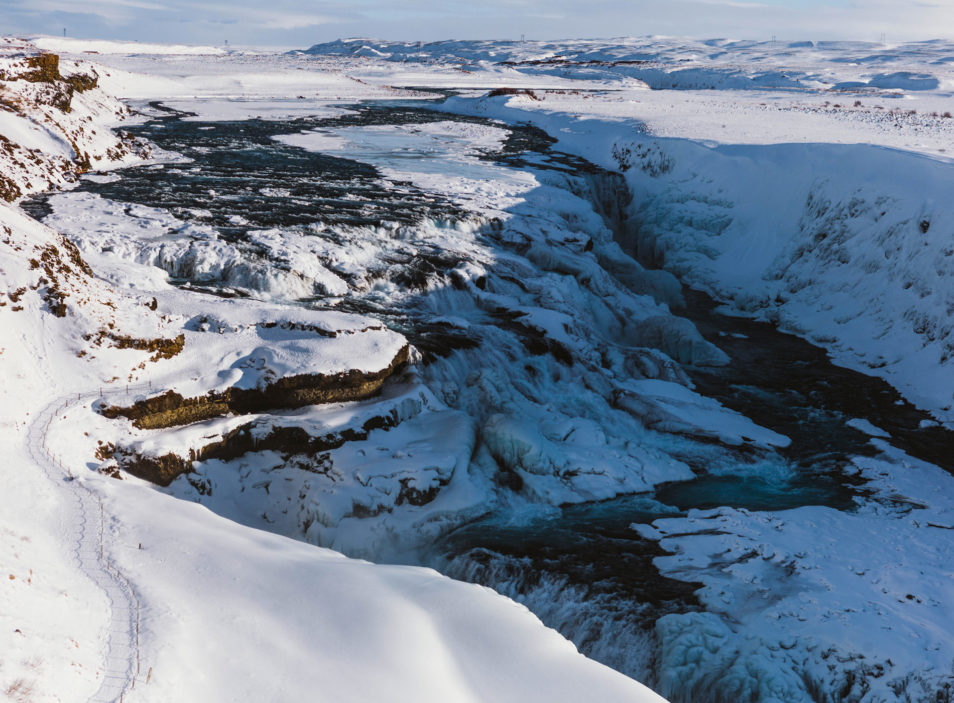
column 297, row 21
column 302, row 22
column 92, row 6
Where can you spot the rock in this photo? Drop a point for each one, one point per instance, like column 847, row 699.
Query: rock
column 171, row 409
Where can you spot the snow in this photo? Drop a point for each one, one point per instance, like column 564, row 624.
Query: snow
column 51, row 625
column 286, row 618
column 792, row 181
column 102, row 46
column 677, row 409
column 862, row 425
column 846, row 576
column 439, row 156
column 29, row 134
column 303, row 622
column 244, row 108
column 280, row 85
column 155, row 239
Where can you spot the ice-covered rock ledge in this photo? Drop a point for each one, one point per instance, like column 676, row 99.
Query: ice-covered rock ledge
column 272, row 364
column 282, row 362
column 847, row 245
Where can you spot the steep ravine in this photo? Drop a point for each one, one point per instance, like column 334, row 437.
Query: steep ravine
column 517, row 449
column 585, row 572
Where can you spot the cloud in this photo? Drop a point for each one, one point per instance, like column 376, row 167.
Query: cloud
column 110, row 12
column 296, row 21
column 92, row 6
column 303, row 22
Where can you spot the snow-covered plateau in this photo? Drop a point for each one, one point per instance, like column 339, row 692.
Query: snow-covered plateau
column 650, row 336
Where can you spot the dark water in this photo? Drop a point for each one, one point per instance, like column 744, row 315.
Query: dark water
column 790, row 385
column 237, row 168
column 589, row 545
column 576, row 566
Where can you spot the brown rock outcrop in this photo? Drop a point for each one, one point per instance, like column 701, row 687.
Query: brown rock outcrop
column 45, row 68
column 171, row 409
column 242, row 440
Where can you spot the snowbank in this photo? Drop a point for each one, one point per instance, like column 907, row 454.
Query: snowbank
column 304, row 623
column 105, row 46
column 844, row 244
column 815, row 580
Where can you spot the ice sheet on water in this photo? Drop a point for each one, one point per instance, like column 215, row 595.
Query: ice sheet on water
column 437, row 156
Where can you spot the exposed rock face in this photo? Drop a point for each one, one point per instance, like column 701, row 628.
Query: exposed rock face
column 82, row 82
column 160, row 470
column 9, row 190
column 45, row 68
column 171, row 409
column 160, row 347
column 309, row 469
column 30, row 85
column 57, row 267
column 163, row 469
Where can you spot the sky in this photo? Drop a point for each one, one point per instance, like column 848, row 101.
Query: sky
column 301, row 23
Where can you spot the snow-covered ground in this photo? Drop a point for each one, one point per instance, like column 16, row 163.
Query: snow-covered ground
column 781, row 587
column 203, row 608
column 804, row 184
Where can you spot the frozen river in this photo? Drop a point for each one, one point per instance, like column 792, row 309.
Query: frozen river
column 394, row 202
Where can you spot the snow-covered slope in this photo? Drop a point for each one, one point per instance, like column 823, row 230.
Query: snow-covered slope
column 846, row 244
column 55, row 122
column 307, row 623
column 196, row 607
column 805, row 185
